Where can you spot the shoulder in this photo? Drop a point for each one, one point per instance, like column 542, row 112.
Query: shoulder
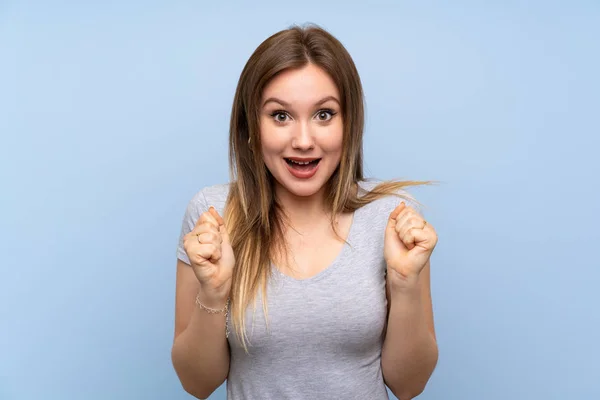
column 394, row 194
column 212, row 195
column 216, row 193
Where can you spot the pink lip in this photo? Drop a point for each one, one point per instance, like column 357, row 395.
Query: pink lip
column 302, row 174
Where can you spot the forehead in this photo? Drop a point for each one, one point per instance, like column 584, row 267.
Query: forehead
column 308, row 84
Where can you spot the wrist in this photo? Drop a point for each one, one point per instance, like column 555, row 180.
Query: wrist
column 215, row 305
column 213, row 299
column 401, row 283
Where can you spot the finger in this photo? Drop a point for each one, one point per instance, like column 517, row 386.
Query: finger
column 407, row 222
column 203, row 228
column 421, row 237
column 210, row 251
column 209, row 237
column 408, row 239
column 207, row 217
column 405, row 226
column 221, row 221
column 407, row 214
column 430, row 234
column 394, row 215
column 216, row 215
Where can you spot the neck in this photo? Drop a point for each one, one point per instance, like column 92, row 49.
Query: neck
column 303, row 211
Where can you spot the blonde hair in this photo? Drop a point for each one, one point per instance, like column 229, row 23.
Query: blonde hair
column 252, row 214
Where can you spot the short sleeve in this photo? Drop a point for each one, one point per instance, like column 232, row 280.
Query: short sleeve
column 389, row 203
column 411, row 201
column 196, row 206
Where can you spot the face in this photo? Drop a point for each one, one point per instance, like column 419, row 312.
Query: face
column 301, row 130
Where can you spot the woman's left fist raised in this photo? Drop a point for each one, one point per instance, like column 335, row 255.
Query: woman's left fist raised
column 408, row 243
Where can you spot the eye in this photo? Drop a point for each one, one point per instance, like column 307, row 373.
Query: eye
column 280, row 116
column 325, row 115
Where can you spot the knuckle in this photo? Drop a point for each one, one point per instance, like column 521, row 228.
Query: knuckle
column 199, row 229
column 209, row 224
column 205, row 218
column 199, row 259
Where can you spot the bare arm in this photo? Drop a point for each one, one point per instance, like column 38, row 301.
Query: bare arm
column 410, row 352
column 200, row 352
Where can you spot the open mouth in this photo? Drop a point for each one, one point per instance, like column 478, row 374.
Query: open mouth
column 303, row 165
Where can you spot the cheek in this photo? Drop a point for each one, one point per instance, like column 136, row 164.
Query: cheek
column 271, row 141
column 332, row 140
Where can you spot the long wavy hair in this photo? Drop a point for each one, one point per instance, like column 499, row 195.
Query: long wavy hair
column 253, row 216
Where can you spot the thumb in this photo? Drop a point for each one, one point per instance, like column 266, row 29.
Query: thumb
column 224, row 234
column 391, row 225
column 221, row 223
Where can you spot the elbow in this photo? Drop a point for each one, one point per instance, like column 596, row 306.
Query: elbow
column 197, row 392
column 409, row 394
column 405, row 391
column 195, row 387
column 192, row 386
column 408, row 387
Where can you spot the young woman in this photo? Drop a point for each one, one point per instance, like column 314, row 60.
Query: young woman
column 301, row 279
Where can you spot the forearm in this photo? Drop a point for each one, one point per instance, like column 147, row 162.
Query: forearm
column 200, row 354
column 409, row 353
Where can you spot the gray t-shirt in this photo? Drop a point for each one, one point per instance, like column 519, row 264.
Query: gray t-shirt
column 326, row 332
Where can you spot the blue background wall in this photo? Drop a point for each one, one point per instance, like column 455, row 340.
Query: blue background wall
column 113, row 114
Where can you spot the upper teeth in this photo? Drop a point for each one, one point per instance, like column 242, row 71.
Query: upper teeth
column 300, row 162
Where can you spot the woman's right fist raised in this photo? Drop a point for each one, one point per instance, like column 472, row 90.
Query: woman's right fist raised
column 210, row 253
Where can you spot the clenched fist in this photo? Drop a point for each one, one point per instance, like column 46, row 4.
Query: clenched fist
column 408, row 243
column 210, row 253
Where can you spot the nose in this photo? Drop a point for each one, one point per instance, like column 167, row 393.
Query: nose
column 303, row 138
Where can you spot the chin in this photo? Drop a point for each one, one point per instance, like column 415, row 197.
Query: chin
column 303, row 190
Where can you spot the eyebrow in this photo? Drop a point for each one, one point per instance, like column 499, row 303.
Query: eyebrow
column 286, row 104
